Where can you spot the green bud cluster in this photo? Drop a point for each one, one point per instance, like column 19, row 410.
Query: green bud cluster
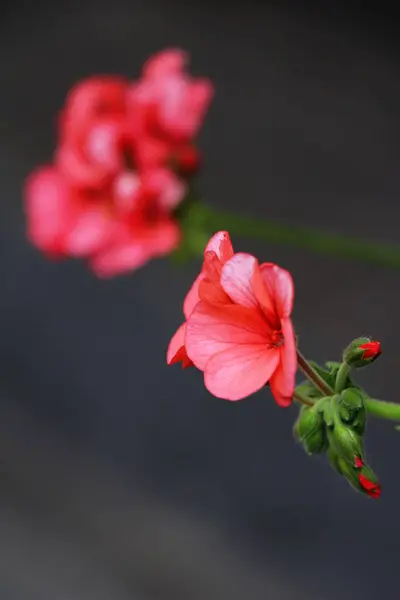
column 335, row 425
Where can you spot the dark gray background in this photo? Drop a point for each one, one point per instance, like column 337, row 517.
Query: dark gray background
column 123, row 478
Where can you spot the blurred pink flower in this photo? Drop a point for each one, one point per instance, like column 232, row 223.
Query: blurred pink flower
column 168, row 108
column 110, row 194
column 238, row 328
column 116, row 232
column 94, row 145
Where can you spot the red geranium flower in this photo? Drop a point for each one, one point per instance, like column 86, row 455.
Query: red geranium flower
column 238, row 328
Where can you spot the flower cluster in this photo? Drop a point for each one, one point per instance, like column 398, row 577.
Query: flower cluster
column 238, row 328
column 125, row 152
column 335, row 425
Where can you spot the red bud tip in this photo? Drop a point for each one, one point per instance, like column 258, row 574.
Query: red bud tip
column 372, row 349
column 358, row 462
column 373, row 490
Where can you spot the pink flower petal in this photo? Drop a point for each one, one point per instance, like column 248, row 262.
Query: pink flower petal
column 265, row 300
column 183, row 106
column 119, row 258
column 284, row 379
column 221, row 244
column 89, row 99
column 166, row 62
column 176, row 350
column 212, row 292
column 48, row 208
column 134, row 248
column 214, row 328
column 166, row 187
column 192, row 297
column 240, row 371
column 77, row 170
column 212, row 267
column 103, row 144
column 237, row 279
column 151, row 152
column 91, row 230
column 127, row 192
column 279, row 285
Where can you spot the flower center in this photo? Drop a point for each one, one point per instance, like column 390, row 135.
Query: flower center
column 276, row 340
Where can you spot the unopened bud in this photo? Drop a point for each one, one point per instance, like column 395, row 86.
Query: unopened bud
column 361, row 352
column 358, row 474
column 343, row 439
column 310, row 430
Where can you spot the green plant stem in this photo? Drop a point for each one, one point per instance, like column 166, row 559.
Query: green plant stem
column 302, row 398
column 312, row 375
column 320, row 242
column 383, row 409
column 377, row 408
column 341, row 377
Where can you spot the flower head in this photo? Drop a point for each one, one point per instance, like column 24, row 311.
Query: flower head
column 111, row 192
column 238, row 331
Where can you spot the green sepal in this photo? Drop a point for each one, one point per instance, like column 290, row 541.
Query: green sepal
column 352, row 410
column 345, row 468
column 343, row 440
column 328, row 414
column 310, row 429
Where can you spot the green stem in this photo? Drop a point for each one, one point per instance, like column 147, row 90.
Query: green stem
column 382, row 409
column 321, row 242
column 376, row 408
column 341, row 377
column 302, row 398
column 312, row 375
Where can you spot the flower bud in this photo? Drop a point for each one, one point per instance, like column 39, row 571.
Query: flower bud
column 344, row 441
column 358, row 474
column 309, row 429
column 351, row 409
column 361, row 352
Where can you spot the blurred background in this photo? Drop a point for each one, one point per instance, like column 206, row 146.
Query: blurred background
column 122, row 478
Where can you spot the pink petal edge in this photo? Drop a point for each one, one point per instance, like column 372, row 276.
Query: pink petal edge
column 283, row 381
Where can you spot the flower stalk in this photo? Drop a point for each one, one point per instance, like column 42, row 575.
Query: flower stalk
column 304, row 238
column 383, row 409
column 312, row 375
